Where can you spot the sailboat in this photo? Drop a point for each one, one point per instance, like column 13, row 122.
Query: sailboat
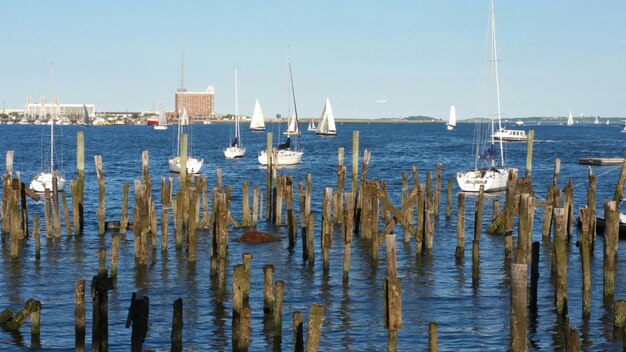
column 292, row 126
column 452, row 121
column 43, row 180
column 493, row 177
column 327, row 127
column 162, row 124
column 570, row 119
column 193, row 164
column 287, row 154
column 85, row 121
column 311, row 126
column 596, row 121
column 235, row 149
column 258, row 120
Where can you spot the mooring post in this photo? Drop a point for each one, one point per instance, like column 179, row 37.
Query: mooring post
column 314, row 328
column 518, row 322
column 560, row 260
column 529, row 155
column 438, row 188
column 611, row 232
column 298, row 337
column 101, row 193
column 79, row 316
column 268, row 288
column 347, row 233
column 177, row 326
column 432, row 337
column 460, row 226
column 585, row 245
column 278, row 310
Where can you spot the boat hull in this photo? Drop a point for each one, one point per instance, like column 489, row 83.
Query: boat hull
column 234, row 152
column 329, row 133
column 193, row 165
column 257, row 129
column 450, row 127
column 44, row 180
column 492, row 179
column 285, row 157
column 160, row 127
column 510, row 135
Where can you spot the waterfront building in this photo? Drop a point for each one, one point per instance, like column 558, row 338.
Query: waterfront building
column 43, row 109
column 197, row 104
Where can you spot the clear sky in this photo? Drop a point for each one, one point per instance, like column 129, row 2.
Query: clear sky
column 419, row 57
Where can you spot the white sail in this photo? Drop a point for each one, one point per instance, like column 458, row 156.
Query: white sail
column 596, row 121
column 235, row 149
column 258, row 120
column 327, row 121
column 292, row 128
column 162, row 125
column 452, row 121
column 570, row 119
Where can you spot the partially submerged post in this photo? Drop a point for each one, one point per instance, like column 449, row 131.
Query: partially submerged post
column 101, row 192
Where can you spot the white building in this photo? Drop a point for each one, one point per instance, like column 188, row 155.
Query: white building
column 44, row 110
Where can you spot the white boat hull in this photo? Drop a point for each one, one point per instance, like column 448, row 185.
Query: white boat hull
column 492, row 179
column 193, row 165
column 160, row 127
column 257, row 129
column 285, row 157
column 450, row 127
column 234, row 152
column 510, row 135
column 44, row 180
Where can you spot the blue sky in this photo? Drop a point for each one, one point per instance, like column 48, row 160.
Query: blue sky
column 419, row 56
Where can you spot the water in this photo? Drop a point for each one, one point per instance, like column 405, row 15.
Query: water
column 434, row 286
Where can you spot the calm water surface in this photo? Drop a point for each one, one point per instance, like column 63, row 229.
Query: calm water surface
column 435, row 287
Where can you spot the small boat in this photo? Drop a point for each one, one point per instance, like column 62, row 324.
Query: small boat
column 607, row 121
column 492, row 177
column 570, row 119
column 506, row 135
column 258, row 120
column 452, row 121
column 327, row 127
column 596, row 121
column 624, row 130
column 193, row 164
column 235, row 149
column 519, row 123
column 292, row 126
column 311, row 126
column 287, row 154
column 162, row 125
column 44, row 180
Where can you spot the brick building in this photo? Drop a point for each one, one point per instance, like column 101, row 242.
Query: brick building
column 197, row 104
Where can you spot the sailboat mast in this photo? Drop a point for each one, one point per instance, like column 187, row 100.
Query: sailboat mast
column 496, row 78
column 293, row 92
column 182, row 96
column 237, row 112
column 52, row 115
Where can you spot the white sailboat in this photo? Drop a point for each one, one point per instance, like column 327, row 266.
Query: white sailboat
column 162, row 125
column 292, row 126
column 43, row 180
column 85, row 121
column 596, row 121
column 492, row 177
column 258, row 120
column 287, row 154
column 236, row 148
column 327, row 127
column 184, row 127
column 570, row 119
column 311, row 126
column 452, row 120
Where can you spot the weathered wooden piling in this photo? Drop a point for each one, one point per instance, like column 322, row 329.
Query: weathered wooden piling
column 496, row 210
column 560, row 260
column 460, row 226
column 292, row 221
column 518, row 322
column 568, row 205
column 48, row 213
column 524, row 236
column 478, row 213
column 66, row 214
column 101, row 193
column 255, row 206
column 138, row 315
column 268, row 288
column 79, row 316
column 432, row 337
column 429, row 213
column 245, row 205
column 438, row 188
column 327, row 227
column 619, row 321
column 268, row 184
column 420, row 226
column 298, row 333
column 309, row 248
column 591, row 204
column 449, row 199
column 177, row 326
column 124, row 217
column 347, row 233
column 6, row 184
column 36, row 235
column 192, row 224
column 241, row 310
column 78, row 202
column 585, row 247
column 100, row 285
column 278, row 310
column 611, row 232
column 314, row 330
column 166, row 199
column 279, row 197
column 341, row 183
column 534, row 275
column 392, row 296
column 355, row 161
column 115, row 249
column 56, row 211
column 619, row 188
column 509, row 213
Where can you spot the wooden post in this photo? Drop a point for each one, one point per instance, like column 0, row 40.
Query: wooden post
column 192, row 225
column 432, row 337
column 268, row 289
column 245, row 207
column 255, row 205
column 620, row 314
column 327, row 227
column 449, row 200
column 268, row 185
column 138, row 315
column 166, row 199
column 177, row 326
column 460, row 226
column 568, row 204
column 557, row 170
column 355, row 160
column 66, row 215
column 529, row 154
column 419, row 228
column 591, row 204
column 278, row 311
column 115, row 245
column 48, row 213
column 392, row 296
column 478, row 213
column 475, row 261
column 611, row 231
column 518, row 322
column 496, row 210
column 100, row 285
column 430, row 212
column 124, row 219
column 560, row 260
column 36, row 235
column 534, row 275
column 341, row 181
column 56, row 212
column 438, row 188
column 509, row 213
column 315, row 325
column 247, row 262
column 310, row 239
column 79, row 316
column 390, row 250
column 619, row 188
column 101, row 192
column 347, row 233
column 80, row 182
column 585, row 246
column 524, row 236
column 298, row 337
column 183, row 161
